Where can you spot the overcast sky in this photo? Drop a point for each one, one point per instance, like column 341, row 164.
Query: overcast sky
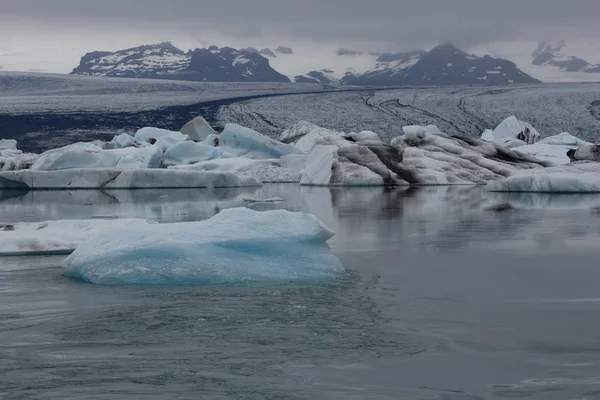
column 44, row 29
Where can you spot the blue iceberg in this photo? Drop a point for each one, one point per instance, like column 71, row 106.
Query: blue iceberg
column 235, row 246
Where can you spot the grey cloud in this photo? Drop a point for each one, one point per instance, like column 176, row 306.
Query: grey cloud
column 397, row 22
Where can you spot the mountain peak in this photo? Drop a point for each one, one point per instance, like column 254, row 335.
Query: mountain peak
column 165, row 61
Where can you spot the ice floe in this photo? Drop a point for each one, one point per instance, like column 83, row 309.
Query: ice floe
column 26, row 238
column 237, row 245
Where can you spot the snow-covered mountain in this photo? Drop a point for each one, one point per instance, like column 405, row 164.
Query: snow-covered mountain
column 166, row 61
column 556, row 54
column 574, row 60
column 442, row 65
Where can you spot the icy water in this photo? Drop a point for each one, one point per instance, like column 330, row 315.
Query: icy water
column 450, row 293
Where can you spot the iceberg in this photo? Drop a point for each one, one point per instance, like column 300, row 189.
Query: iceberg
column 27, row 238
column 589, row 152
column 12, row 158
column 236, row 246
column 241, row 141
column 111, row 178
column 198, row 129
column 511, row 127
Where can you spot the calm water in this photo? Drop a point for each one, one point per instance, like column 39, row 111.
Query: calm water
column 451, row 293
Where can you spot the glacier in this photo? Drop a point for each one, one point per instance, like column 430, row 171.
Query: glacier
column 237, row 245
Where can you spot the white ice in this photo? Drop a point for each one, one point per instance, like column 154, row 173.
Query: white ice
column 88, row 155
column 56, row 236
column 286, row 169
column 511, row 127
column 189, row 152
column 197, row 129
column 235, row 246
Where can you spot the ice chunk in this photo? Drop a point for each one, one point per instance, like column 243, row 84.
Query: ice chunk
column 241, row 141
column 55, row 236
column 189, row 153
column 111, row 178
column 235, row 246
column 589, row 152
column 513, row 128
column 563, row 139
column 556, row 154
column 148, row 133
column 8, row 144
column 197, row 129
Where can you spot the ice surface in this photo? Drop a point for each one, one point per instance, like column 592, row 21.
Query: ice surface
column 197, row 129
column 189, row 152
column 56, row 236
column 88, row 155
column 556, row 154
column 8, row 144
column 241, row 141
column 284, row 169
column 148, row 133
column 563, row 139
column 111, row 178
column 235, row 246
column 511, row 127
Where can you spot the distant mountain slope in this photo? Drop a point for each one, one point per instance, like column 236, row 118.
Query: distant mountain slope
column 442, row 65
column 149, row 61
column 554, row 54
column 166, row 61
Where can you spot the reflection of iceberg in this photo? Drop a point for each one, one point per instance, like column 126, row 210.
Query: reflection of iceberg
column 237, row 245
column 175, row 205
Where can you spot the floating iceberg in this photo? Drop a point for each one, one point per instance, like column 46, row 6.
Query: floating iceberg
column 423, row 155
column 237, row 245
column 63, row 236
column 111, row 178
